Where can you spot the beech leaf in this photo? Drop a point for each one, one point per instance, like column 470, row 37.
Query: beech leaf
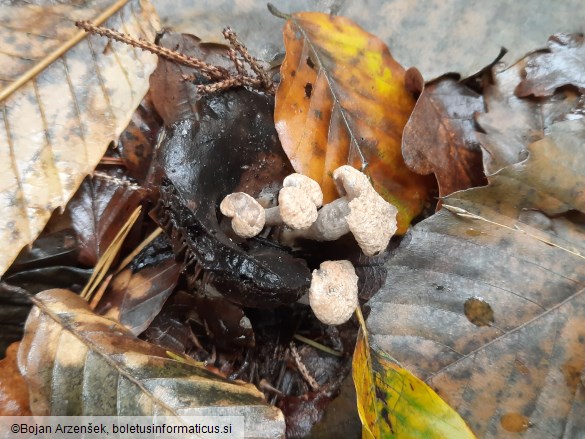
column 64, row 98
column 13, row 388
column 440, row 136
column 486, row 298
column 342, row 100
column 135, row 297
column 77, row 363
column 393, row 403
column 511, row 123
column 562, row 65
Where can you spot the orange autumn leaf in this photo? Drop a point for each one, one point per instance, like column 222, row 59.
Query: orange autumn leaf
column 342, row 100
column 13, row 387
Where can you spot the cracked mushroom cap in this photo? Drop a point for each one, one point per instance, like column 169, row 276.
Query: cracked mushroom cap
column 333, row 294
column 297, row 210
column 248, row 216
column 310, row 187
column 350, row 182
column 371, row 220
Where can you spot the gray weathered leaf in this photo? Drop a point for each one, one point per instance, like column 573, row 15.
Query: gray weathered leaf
column 491, row 317
column 56, row 125
column 512, row 123
column 78, row 363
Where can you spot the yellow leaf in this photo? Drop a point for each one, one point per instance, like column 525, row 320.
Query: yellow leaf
column 63, row 98
column 342, row 100
column 393, row 403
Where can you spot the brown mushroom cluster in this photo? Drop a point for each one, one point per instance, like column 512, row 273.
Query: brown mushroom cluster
column 360, row 210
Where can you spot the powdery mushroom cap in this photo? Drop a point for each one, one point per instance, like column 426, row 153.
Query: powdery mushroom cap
column 350, row 182
column 309, row 187
column 247, row 214
column 297, row 210
column 333, row 294
column 372, row 220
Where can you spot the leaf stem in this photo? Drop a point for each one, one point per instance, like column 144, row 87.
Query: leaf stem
column 274, row 11
column 466, row 214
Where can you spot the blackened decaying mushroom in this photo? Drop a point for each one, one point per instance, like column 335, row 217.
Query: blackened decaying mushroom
column 203, row 160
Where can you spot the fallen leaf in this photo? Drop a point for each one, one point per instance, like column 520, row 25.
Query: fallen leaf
column 137, row 294
column 171, row 328
column 393, row 403
column 510, row 123
column 97, row 209
column 173, row 97
column 562, row 65
column 13, row 388
column 137, row 142
column 14, row 307
column 342, row 100
column 490, row 312
column 65, row 344
column 59, row 110
column 440, row 136
column 340, row 418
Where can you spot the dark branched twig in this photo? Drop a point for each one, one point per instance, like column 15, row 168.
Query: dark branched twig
column 222, row 78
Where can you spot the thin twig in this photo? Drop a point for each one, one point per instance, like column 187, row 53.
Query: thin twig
column 317, row 345
column 302, row 368
column 231, row 36
column 211, row 71
column 237, row 62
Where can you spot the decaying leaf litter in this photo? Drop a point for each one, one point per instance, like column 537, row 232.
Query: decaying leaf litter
column 564, row 104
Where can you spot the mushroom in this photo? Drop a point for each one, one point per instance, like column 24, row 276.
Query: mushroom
column 298, row 201
column 248, row 217
column 360, row 210
column 333, row 295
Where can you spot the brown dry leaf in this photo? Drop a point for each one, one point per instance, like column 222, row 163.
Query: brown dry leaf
column 440, row 136
column 101, row 204
column 561, row 65
column 56, row 125
column 174, row 98
column 137, row 142
column 136, row 296
column 13, row 388
column 342, row 100
column 65, row 345
column 491, row 316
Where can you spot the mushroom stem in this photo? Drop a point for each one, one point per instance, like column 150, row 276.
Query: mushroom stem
column 273, row 217
column 331, row 223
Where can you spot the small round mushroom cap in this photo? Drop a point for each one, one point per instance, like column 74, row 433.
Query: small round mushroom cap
column 310, row 187
column 247, row 214
column 333, row 294
column 297, row 210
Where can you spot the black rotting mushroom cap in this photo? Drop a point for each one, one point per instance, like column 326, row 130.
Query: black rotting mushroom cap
column 203, row 161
